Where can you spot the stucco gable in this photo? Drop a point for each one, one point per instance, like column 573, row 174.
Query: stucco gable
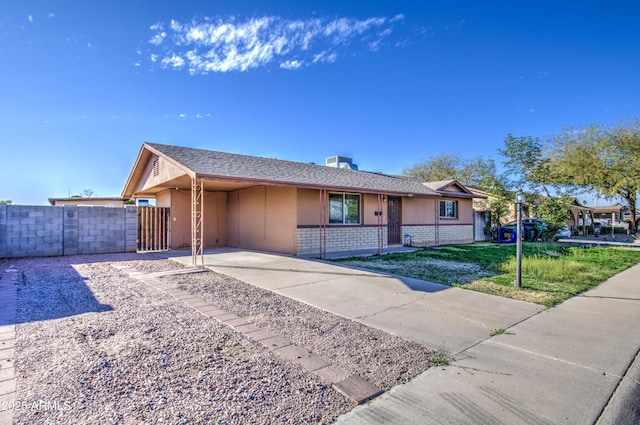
column 450, row 188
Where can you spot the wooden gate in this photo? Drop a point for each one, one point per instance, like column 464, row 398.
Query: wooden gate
column 154, row 228
column 394, row 220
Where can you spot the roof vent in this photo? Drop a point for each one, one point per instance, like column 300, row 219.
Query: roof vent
column 338, row 161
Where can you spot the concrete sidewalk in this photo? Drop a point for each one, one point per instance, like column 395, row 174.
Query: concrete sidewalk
column 567, row 365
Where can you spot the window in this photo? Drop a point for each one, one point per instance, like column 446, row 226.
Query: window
column 344, row 208
column 448, row 209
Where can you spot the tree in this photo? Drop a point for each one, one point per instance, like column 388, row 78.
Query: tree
column 436, row 168
column 530, row 167
column 478, row 171
column 602, row 158
column 554, row 211
column 6, row 201
column 87, row 193
column 526, row 162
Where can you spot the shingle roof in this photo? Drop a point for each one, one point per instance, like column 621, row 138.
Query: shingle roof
column 206, row 163
column 437, row 185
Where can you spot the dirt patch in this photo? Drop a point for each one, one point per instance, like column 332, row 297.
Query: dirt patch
column 433, row 270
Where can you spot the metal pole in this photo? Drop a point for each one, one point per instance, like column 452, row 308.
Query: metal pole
column 613, row 220
column 519, row 235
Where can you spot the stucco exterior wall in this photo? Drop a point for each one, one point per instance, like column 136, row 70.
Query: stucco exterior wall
column 179, row 202
column 419, row 211
column 308, row 204
column 420, row 219
column 465, row 211
column 215, row 217
column 263, row 218
column 369, row 207
column 157, row 173
column 308, row 207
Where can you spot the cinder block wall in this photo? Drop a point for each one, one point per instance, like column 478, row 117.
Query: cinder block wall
column 39, row 231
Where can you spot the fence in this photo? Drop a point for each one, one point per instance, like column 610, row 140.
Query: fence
column 153, row 228
column 37, row 231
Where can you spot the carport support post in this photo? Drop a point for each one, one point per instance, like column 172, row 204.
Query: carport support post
column 519, row 200
column 197, row 215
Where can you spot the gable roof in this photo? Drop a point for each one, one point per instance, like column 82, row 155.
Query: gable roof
column 221, row 166
column 452, row 188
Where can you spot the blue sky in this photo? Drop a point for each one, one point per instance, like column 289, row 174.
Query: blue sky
column 84, row 83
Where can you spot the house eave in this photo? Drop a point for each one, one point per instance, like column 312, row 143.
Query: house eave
column 138, row 167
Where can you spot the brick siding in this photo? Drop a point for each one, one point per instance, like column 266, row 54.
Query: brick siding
column 339, row 238
column 420, row 235
column 456, row 234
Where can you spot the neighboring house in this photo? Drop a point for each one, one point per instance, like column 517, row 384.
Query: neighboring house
column 612, row 216
column 609, row 215
column 221, row 199
column 482, row 212
column 581, row 221
column 91, row 201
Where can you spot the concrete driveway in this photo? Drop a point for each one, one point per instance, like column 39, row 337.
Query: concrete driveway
column 438, row 316
column 578, row 363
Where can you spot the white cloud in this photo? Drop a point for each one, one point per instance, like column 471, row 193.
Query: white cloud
column 158, row 38
column 325, row 57
column 294, row 64
column 222, row 45
column 185, row 116
column 30, row 19
column 532, row 110
column 174, row 61
column 51, row 15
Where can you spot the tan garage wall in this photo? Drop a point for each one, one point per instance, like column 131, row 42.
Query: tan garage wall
column 263, row 218
column 215, row 217
column 308, row 204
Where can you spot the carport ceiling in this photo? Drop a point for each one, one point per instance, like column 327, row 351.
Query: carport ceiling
column 184, row 183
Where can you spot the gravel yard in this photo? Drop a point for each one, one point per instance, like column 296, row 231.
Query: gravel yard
column 97, row 346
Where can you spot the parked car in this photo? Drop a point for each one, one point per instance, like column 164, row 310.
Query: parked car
column 563, row 233
column 532, row 228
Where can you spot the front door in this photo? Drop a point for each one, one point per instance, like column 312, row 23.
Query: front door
column 394, row 220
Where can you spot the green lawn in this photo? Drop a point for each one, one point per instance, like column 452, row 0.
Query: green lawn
column 551, row 273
